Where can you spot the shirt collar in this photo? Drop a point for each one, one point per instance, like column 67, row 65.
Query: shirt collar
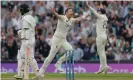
column 67, row 18
column 28, row 13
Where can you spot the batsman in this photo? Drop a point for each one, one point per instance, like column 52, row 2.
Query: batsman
column 27, row 34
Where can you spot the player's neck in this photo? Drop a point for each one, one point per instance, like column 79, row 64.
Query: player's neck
column 103, row 14
column 68, row 17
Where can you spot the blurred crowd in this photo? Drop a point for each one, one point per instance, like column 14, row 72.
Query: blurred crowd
column 82, row 37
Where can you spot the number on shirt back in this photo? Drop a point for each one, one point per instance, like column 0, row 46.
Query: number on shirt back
column 105, row 24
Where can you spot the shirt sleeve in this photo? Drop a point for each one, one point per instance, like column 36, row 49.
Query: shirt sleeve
column 61, row 17
column 25, row 24
column 29, row 20
column 78, row 19
column 94, row 12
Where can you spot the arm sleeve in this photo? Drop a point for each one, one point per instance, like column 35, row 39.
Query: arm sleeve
column 78, row 19
column 60, row 17
column 25, row 27
column 94, row 11
column 28, row 21
column 25, row 24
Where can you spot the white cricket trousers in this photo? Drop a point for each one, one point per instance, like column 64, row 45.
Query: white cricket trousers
column 21, row 55
column 57, row 43
column 101, row 41
column 27, row 44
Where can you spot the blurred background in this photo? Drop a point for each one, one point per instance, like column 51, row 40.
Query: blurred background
column 82, row 37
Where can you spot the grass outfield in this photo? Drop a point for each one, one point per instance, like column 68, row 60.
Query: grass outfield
column 78, row 76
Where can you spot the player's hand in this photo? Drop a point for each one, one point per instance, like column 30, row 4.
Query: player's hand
column 52, row 9
column 87, row 4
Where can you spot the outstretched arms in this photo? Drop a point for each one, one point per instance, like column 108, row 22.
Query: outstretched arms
column 92, row 10
column 78, row 19
column 55, row 13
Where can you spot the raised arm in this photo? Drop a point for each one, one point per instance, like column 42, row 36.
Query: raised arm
column 80, row 18
column 93, row 11
column 56, row 14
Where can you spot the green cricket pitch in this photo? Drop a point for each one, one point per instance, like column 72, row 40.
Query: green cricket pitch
column 51, row 76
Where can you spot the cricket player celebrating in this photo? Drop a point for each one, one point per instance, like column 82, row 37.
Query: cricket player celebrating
column 65, row 23
column 101, row 28
column 28, row 40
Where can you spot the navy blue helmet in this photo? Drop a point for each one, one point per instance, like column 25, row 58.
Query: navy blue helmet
column 24, row 8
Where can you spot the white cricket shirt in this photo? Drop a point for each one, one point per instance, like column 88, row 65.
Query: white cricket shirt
column 63, row 26
column 101, row 24
column 29, row 23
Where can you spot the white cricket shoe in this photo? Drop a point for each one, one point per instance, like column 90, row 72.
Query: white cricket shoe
column 18, row 77
column 103, row 70
column 106, row 69
column 58, row 67
column 39, row 75
column 38, row 78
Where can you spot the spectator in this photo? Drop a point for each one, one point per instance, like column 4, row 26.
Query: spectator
column 12, row 47
column 90, row 49
column 118, row 55
column 81, row 43
column 127, row 48
column 49, row 39
column 78, row 53
column 125, row 56
column 41, row 11
column 4, row 52
column 86, row 52
column 109, row 54
column 42, row 47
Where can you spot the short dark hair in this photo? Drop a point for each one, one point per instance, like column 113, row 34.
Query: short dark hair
column 68, row 10
column 102, row 10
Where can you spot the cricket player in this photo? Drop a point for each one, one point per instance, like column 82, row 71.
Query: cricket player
column 101, row 39
column 65, row 23
column 27, row 34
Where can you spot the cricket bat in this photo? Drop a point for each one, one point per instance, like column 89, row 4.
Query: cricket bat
column 26, row 65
